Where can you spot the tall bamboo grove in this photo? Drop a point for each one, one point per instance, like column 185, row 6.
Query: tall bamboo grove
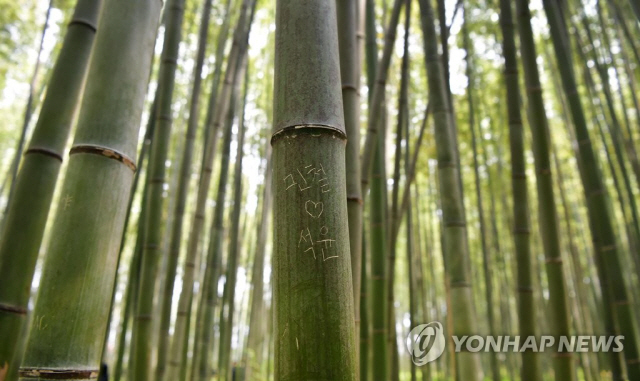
column 314, row 336
column 72, row 307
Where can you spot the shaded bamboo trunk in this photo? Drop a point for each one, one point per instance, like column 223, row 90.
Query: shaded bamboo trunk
column 364, row 333
column 34, row 186
column 255, row 340
column 596, row 195
column 350, row 73
column 455, row 245
column 313, row 291
column 181, row 194
column 547, row 212
column 78, row 273
column 377, row 221
column 227, row 311
column 377, row 88
column 530, row 370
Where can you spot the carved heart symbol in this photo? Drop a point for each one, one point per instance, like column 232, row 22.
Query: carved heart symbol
column 314, row 209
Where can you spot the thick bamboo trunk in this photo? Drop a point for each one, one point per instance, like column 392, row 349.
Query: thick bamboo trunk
column 27, row 212
column 313, row 291
column 78, row 273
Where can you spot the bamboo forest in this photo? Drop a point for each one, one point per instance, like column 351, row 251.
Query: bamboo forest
column 321, row 190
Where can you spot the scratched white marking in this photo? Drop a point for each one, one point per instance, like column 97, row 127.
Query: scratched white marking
column 314, row 209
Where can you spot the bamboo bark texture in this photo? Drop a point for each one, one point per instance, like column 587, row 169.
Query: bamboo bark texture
column 78, row 273
column 313, row 293
column 35, row 183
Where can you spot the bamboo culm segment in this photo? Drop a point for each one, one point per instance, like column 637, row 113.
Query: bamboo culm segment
column 455, row 245
column 312, row 284
column 530, row 370
column 350, row 73
column 154, row 222
column 78, row 272
column 36, row 181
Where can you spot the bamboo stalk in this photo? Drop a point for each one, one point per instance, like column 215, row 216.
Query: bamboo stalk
column 181, row 193
column 455, row 245
column 35, row 183
column 596, row 194
column 530, row 370
column 313, row 292
column 78, row 273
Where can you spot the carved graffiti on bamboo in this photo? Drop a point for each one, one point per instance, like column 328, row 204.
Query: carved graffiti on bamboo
column 318, row 243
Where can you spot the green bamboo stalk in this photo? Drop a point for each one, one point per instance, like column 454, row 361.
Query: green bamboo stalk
column 202, row 352
column 217, row 118
column 377, row 90
column 547, row 211
column 35, row 183
column 403, row 123
column 487, row 273
column 78, row 272
column 227, row 311
column 456, row 251
column 152, row 248
column 209, row 125
column 615, row 131
column 181, row 193
column 596, row 194
column 636, row 8
column 223, row 34
column 28, row 111
column 135, row 258
column 208, row 300
column 313, row 292
column 254, row 339
column 364, row 333
column 530, row 370
column 630, row 226
column 380, row 360
column 350, row 73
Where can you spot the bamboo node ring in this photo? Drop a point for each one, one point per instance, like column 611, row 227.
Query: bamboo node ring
column 103, row 151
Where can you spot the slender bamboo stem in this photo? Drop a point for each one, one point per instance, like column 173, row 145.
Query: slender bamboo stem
column 602, row 228
column 455, row 245
column 181, row 193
